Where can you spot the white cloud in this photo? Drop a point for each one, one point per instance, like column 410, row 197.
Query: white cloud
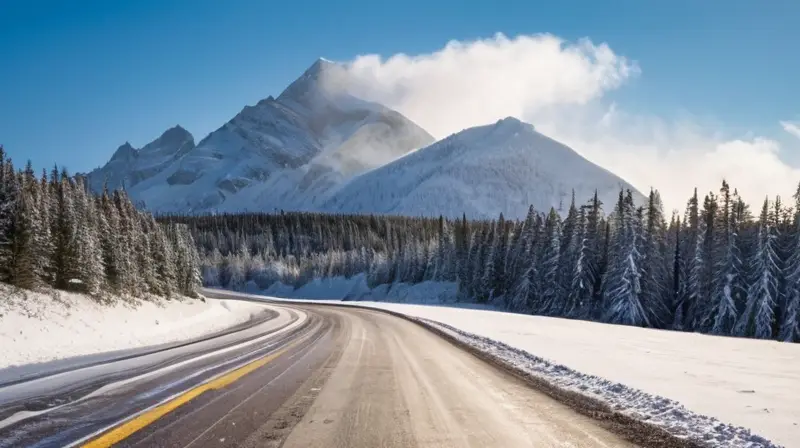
column 559, row 87
column 674, row 157
column 791, row 128
column 477, row 82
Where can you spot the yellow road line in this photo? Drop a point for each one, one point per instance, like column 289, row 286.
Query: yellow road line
column 125, row 430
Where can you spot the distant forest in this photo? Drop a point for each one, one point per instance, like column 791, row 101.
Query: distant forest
column 55, row 233
column 718, row 269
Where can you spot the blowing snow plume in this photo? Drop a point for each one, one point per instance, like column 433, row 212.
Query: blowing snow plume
column 475, row 83
column 561, row 87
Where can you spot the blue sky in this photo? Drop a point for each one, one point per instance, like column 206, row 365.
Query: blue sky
column 80, row 78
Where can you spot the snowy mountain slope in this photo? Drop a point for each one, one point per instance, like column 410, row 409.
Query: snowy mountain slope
column 284, row 152
column 481, row 171
column 129, row 166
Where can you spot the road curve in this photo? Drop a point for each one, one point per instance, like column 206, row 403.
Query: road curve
column 398, row 384
column 351, row 378
column 53, row 408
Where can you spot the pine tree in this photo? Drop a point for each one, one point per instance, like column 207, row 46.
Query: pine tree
column 598, row 235
column 463, row 248
column 43, row 239
column 524, row 295
column 790, row 322
column 583, row 270
column 89, row 270
column 622, row 284
column 678, row 282
column 691, row 245
column 655, row 274
column 488, row 281
column 728, row 288
column 24, row 267
column 66, row 257
column 705, row 275
column 551, row 293
column 758, row 319
column 500, row 254
column 8, row 197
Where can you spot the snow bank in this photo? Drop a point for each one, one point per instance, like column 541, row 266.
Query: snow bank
column 37, row 328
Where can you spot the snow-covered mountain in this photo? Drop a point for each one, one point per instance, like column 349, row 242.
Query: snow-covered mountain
column 287, row 152
column 481, row 171
column 316, row 147
column 129, row 166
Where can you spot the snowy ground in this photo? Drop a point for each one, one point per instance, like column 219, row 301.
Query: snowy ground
column 37, row 328
column 671, row 379
column 356, row 288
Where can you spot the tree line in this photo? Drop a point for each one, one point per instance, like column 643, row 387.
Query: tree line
column 55, row 233
column 717, row 269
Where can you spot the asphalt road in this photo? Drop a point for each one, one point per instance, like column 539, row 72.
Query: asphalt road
column 335, row 377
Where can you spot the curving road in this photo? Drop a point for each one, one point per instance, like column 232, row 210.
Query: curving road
column 324, row 376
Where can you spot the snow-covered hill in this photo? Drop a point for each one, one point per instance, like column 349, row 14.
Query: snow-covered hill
column 289, row 152
column 481, row 171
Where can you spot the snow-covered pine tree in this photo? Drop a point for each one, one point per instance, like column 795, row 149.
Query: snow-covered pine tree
column 525, row 290
column 164, row 261
column 89, row 269
column 110, row 243
column 598, row 233
column 581, row 272
column 790, row 320
column 477, row 261
column 692, row 246
column 463, row 240
column 676, row 259
column 708, row 217
column 570, row 247
column 500, row 258
column 512, row 262
column 43, row 238
column 758, row 319
column 431, row 259
column 728, row 284
column 655, row 270
column 8, row 198
column 187, row 262
column 66, row 255
column 488, row 279
column 24, row 269
column 551, row 292
column 622, row 284
column 446, row 252
column 128, row 276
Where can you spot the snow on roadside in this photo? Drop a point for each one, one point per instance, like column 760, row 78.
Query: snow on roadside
column 670, row 379
column 37, row 328
column 659, row 411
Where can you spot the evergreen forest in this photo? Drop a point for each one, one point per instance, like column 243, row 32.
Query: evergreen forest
column 718, row 268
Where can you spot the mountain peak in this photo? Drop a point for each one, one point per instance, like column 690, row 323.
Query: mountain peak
column 323, row 76
column 322, row 64
column 513, row 123
column 124, row 152
column 175, row 134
